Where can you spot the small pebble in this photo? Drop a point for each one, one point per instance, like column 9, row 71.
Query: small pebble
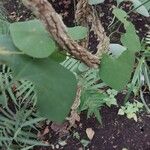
column 57, row 146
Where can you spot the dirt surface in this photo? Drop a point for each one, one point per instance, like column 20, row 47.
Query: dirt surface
column 116, row 132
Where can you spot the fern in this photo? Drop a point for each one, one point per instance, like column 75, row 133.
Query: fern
column 71, row 64
column 147, row 39
column 4, row 24
column 92, row 96
column 17, row 117
column 90, row 80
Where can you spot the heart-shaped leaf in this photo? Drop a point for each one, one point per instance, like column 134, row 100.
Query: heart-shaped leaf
column 49, row 77
column 31, row 38
column 117, row 72
column 130, row 39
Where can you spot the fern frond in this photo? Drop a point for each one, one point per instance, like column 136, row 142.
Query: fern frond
column 147, row 38
column 4, row 24
column 90, row 80
column 71, row 64
column 16, row 116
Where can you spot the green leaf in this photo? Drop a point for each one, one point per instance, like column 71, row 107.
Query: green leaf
column 111, row 101
column 116, row 49
column 58, row 56
column 130, row 39
column 50, row 78
column 95, row 2
column 2, row 100
column 31, row 38
column 77, row 32
column 121, row 15
column 117, row 72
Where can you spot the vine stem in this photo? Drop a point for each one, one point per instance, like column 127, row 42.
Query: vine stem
column 57, row 29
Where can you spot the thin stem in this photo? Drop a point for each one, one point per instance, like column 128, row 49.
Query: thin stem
column 130, row 12
column 143, row 101
column 134, row 79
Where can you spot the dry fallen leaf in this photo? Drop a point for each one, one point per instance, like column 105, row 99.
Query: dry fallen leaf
column 46, row 130
column 61, row 129
column 90, row 133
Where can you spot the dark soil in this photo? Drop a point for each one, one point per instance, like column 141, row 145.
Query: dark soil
column 116, row 132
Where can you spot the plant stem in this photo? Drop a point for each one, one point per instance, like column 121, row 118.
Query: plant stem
column 130, row 12
column 143, row 100
column 134, row 79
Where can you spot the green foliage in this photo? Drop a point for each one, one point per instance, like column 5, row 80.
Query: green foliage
column 93, row 101
column 131, row 109
column 49, row 78
column 31, row 38
column 58, row 56
column 17, row 121
column 92, row 98
column 147, row 39
column 117, row 72
column 130, row 39
column 140, row 78
column 110, row 99
column 4, row 24
column 121, row 15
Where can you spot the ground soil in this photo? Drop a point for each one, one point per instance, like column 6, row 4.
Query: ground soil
column 116, row 132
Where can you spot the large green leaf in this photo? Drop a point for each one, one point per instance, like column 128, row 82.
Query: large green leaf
column 58, row 56
column 31, row 38
column 130, row 39
column 117, row 72
column 55, row 85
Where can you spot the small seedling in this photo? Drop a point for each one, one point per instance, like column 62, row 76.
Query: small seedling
column 131, row 110
column 84, row 142
column 111, row 100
